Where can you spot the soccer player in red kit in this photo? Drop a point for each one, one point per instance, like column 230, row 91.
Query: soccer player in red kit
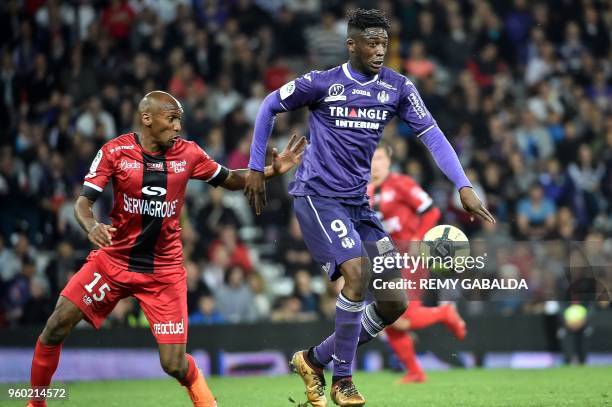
column 140, row 253
column 407, row 213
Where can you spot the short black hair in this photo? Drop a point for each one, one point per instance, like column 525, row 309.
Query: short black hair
column 360, row 19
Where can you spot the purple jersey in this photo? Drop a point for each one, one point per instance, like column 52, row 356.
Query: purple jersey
column 347, row 119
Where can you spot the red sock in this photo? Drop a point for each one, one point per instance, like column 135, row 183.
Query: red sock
column 192, row 371
column 422, row 317
column 44, row 363
column 403, row 346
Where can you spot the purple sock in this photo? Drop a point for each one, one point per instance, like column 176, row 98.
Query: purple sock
column 348, row 325
column 371, row 325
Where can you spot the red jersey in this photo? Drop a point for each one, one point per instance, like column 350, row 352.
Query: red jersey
column 399, row 202
column 149, row 190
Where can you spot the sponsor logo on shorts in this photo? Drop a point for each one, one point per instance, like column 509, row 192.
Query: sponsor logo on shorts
column 326, row 267
column 87, row 299
column 169, row 328
column 348, row 242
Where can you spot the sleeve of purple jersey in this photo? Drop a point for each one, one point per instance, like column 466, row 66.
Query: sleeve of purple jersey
column 445, row 157
column 299, row 92
column 264, row 122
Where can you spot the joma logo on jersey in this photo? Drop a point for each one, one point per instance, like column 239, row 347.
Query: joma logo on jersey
column 361, row 92
column 351, row 112
column 178, row 166
column 169, row 328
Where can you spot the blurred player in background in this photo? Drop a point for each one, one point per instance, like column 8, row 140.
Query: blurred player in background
column 349, row 108
column 407, row 212
column 140, row 253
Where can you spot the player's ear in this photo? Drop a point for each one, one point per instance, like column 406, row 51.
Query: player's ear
column 350, row 44
column 146, row 118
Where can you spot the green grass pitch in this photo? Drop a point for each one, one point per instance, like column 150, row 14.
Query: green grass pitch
column 567, row 386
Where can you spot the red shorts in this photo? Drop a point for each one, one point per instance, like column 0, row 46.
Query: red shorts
column 100, row 284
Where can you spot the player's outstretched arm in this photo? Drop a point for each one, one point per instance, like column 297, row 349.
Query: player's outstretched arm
column 97, row 233
column 448, row 162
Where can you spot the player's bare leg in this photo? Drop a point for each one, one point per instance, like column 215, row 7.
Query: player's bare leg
column 183, row 368
column 49, row 345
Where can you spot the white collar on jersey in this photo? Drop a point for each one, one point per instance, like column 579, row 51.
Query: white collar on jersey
column 348, row 75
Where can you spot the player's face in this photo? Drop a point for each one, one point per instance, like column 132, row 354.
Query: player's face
column 166, row 126
column 380, row 164
column 368, row 49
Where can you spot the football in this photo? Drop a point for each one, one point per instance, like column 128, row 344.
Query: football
column 445, row 241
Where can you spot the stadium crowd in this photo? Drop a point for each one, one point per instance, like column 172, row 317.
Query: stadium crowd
column 522, row 89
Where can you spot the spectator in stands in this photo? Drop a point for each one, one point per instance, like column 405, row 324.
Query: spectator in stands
column 309, row 300
column 206, row 312
column 18, row 291
column 586, row 176
column 234, row 298
column 238, row 251
column 325, row 45
column 9, row 261
column 536, row 214
column 261, row 300
column 196, row 287
column 39, row 305
column 61, row 268
column 292, row 252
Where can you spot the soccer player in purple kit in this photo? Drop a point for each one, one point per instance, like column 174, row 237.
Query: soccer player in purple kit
column 349, row 107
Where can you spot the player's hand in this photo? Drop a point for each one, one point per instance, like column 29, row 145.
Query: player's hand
column 255, row 190
column 290, row 156
column 101, row 235
column 472, row 204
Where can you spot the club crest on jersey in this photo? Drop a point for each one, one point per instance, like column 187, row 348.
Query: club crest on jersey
column 335, row 92
column 155, row 166
column 348, row 242
column 383, row 96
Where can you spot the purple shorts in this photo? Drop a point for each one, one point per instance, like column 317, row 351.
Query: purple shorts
column 335, row 231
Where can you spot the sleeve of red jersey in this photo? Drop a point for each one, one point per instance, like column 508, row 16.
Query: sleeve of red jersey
column 414, row 195
column 100, row 172
column 207, row 169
